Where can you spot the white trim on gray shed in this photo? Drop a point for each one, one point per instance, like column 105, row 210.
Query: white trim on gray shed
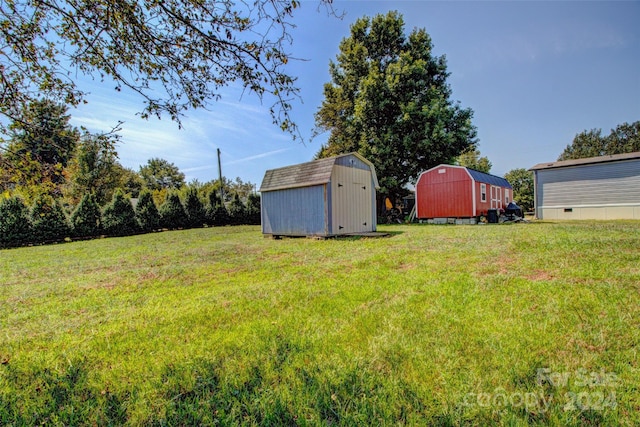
column 606, row 187
column 325, row 197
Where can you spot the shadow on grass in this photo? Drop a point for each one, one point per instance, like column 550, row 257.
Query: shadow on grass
column 345, row 237
column 386, row 234
column 275, row 389
column 48, row 397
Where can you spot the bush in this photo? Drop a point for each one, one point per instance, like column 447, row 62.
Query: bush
column 194, row 209
column 172, row 214
column 118, row 217
column 212, row 202
column 86, row 218
column 217, row 214
column 147, row 212
column 15, row 225
column 253, row 209
column 237, row 211
column 49, row 221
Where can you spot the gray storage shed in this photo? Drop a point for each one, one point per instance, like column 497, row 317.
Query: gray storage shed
column 606, row 187
column 325, row 197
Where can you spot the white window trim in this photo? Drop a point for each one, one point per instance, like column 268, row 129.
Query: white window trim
column 483, row 193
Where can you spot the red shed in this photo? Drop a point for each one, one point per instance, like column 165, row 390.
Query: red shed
column 448, row 191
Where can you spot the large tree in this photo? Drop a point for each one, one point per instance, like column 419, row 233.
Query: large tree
column 94, row 168
column 176, row 54
column 585, row 144
column 40, row 145
column 471, row 159
column 625, row 138
column 522, row 182
column 389, row 100
column 159, row 173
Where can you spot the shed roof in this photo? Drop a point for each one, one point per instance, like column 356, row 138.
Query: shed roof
column 478, row 176
column 307, row 174
column 488, row 178
column 587, row 161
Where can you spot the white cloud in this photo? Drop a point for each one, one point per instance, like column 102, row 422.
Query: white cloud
column 243, row 131
column 258, row 156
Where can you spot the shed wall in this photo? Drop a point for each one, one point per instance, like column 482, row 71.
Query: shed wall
column 352, row 162
column 596, row 191
column 444, row 192
column 324, row 197
column 352, row 200
column 295, row 212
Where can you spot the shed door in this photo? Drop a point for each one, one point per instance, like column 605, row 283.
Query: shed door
column 496, row 197
column 352, row 207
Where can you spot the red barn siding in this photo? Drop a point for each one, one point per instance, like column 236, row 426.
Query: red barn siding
column 448, row 191
column 444, row 194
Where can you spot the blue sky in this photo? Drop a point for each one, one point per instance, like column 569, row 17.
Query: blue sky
column 534, row 73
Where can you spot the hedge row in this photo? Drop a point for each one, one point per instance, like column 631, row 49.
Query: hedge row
column 46, row 222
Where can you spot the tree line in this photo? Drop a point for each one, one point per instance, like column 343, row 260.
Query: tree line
column 60, row 182
column 46, row 220
column 625, row 138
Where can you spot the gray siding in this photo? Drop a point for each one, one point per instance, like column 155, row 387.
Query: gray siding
column 353, row 162
column 604, row 184
column 297, row 211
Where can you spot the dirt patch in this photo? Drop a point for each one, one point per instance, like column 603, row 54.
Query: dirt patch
column 539, row 276
column 502, row 265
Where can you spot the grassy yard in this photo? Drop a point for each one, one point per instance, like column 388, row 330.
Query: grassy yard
column 525, row 324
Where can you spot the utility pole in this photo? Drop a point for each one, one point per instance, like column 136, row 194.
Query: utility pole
column 220, row 177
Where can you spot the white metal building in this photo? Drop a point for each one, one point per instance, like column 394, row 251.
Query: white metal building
column 606, row 187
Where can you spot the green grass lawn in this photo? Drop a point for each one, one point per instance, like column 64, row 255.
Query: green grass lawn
column 523, row 324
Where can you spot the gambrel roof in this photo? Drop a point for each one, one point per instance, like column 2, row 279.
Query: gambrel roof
column 477, row 176
column 307, row 174
column 488, row 178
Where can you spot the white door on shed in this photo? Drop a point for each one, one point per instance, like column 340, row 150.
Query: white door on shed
column 496, row 197
column 352, row 200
